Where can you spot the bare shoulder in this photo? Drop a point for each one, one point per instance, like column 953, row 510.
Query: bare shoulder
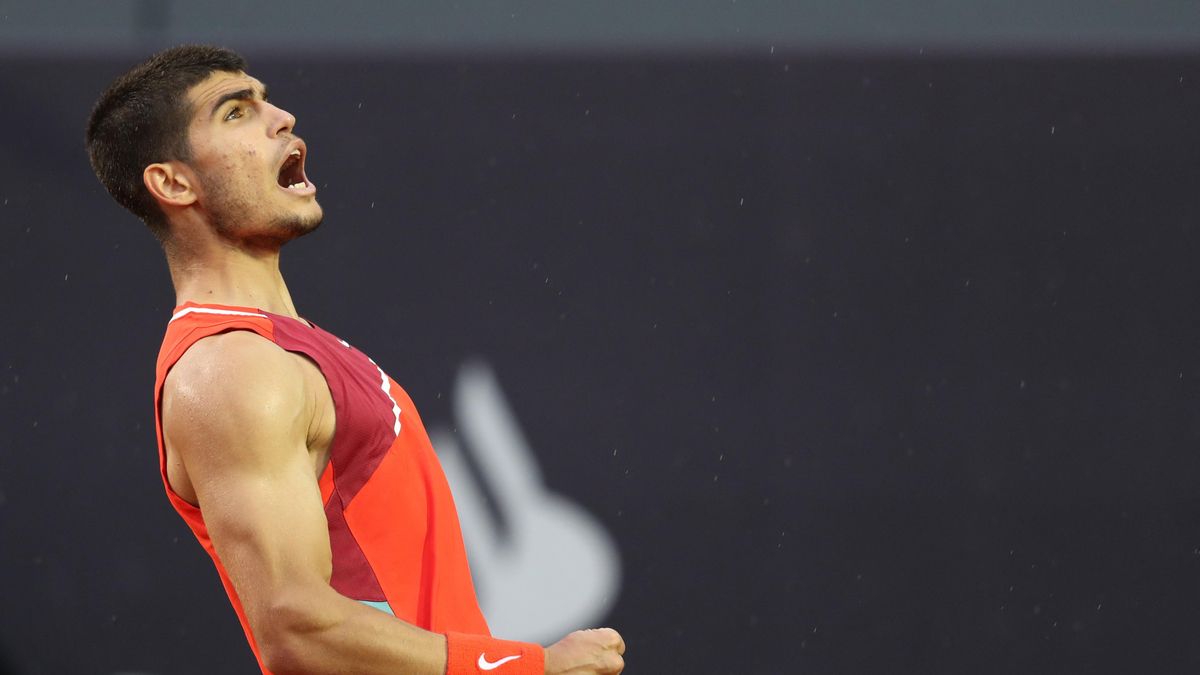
column 233, row 389
column 231, row 368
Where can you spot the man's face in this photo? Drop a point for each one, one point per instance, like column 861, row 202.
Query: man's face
column 249, row 164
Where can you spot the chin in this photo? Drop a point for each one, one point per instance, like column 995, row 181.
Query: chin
column 300, row 224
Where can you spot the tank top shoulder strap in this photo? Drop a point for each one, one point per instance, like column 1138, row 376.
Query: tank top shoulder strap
column 192, row 322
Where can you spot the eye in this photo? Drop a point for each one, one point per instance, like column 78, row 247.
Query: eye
column 234, row 113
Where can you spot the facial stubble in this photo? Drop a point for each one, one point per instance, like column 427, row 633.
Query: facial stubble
column 233, row 215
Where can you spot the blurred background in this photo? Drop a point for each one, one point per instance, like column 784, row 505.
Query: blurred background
column 835, row 337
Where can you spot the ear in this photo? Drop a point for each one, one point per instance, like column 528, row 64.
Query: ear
column 170, row 184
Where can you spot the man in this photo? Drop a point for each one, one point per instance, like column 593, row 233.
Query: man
column 299, row 465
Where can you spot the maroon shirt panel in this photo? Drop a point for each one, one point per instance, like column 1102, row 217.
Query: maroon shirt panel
column 364, row 430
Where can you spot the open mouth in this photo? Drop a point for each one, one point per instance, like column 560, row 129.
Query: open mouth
column 291, row 174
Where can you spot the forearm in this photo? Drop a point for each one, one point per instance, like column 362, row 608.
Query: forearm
column 320, row 631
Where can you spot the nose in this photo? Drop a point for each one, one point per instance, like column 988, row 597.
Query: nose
column 282, row 120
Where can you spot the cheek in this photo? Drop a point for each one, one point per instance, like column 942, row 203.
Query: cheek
column 238, row 164
column 252, row 162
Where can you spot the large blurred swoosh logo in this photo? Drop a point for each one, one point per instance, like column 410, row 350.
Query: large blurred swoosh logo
column 549, row 567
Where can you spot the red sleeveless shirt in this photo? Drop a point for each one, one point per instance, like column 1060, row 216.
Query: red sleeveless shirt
column 393, row 528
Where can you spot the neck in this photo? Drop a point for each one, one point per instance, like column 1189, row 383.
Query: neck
column 228, row 275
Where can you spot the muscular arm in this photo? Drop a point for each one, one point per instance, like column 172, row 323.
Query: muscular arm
column 236, row 412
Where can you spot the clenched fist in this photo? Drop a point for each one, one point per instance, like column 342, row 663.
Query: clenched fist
column 596, row 651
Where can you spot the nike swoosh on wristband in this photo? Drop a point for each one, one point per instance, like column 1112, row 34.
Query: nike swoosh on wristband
column 484, row 664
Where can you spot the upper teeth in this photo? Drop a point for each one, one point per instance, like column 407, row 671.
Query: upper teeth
column 296, row 152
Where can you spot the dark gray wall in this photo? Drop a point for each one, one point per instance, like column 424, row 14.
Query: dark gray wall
column 869, row 364
column 753, row 26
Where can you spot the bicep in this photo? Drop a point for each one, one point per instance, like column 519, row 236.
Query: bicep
column 235, row 413
column 267, row 525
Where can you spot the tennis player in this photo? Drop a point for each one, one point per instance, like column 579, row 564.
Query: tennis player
column 301, row 467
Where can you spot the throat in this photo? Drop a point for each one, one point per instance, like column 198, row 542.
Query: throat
column 233, row 280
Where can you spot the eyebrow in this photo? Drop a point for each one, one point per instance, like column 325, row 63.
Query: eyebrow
column 239, row 95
